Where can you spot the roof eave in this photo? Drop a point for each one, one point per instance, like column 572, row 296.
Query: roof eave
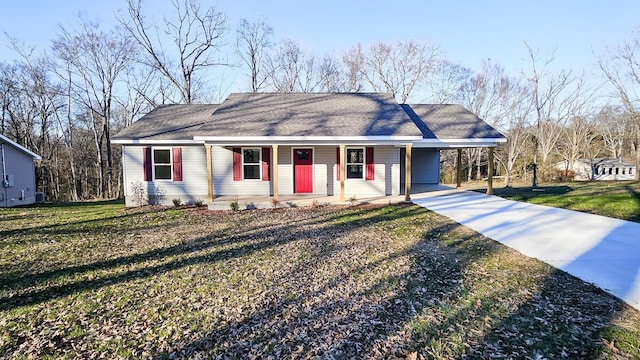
column 459, row 143
column 306, row 140
column 20, row 148
column 154, row 142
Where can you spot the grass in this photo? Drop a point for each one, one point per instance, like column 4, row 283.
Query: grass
column 101, row 281
column 613, row 199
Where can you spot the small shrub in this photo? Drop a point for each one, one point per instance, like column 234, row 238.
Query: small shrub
column 177, row 202
column 275, row 202
column 159, row 196
column 251, row 206
column 234, row 205
column 198, row 203
column 138, row 193
column 314, row 204
column 353, row 200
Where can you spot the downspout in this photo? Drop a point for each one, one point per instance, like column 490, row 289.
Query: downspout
column 4, row 175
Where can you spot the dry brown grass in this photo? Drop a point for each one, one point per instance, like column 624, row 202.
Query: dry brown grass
column 100, row 281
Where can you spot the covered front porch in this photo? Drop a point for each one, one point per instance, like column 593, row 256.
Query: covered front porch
column 328, row 176
column 310, row 200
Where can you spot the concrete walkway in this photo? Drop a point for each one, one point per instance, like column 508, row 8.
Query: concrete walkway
column 596, row 249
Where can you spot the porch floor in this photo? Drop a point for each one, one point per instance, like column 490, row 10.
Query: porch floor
column 299, row 200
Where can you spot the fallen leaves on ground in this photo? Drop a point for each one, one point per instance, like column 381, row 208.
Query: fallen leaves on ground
column 333, row 282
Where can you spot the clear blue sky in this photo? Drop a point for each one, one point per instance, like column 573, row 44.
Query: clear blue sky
column 468, row 31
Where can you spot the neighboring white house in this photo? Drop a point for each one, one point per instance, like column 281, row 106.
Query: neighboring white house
column 18, row 174
column 270, row 144
column 600, row 169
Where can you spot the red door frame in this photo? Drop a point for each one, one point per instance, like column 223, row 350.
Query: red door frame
column 302, row 172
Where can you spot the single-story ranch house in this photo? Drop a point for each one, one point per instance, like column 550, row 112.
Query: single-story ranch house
column 18, row 174
column 600, row 169
column 271, row 144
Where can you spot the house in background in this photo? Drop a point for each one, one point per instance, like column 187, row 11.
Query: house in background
column 600, row 169
column 18, row 174
column 272, row 144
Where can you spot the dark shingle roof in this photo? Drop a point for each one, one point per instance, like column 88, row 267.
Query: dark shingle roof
column 309, row 114
column 448, row 121
column 168, row 122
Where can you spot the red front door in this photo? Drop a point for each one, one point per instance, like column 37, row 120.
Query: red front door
column 302, row 170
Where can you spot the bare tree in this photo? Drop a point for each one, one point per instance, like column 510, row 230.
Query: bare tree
column 253, row 40
column 97, row 61
column 55, row 102
column 331, row 76
column 353, row 60
column 487, row 95
column 552, row 100
column 577, row 139
column 18, row 114
column 195, row 36
column 447, row 82
column 622, row 70
column 613, row 123
column 292, row 69
column 400, row 67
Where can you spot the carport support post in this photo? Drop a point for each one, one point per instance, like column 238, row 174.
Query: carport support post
column 459, row 170
column 407, row 173
column 342, row 171
column 490, row 172
column 274, row 171
column 209, row 175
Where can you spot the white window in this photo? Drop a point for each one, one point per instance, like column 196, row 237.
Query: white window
column 251, row 164
column 162, row 164
column 355, row 163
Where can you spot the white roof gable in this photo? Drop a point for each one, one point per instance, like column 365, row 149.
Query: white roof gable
column 20, row 147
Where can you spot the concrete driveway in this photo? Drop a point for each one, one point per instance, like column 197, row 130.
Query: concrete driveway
column 596, row 249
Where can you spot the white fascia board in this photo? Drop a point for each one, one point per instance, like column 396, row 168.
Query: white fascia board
column 459, row 143
column 20, row 147
column 155, row 142
column 286, row 139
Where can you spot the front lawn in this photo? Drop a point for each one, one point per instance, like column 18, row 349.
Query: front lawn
column 617, row 199
column 100, row 281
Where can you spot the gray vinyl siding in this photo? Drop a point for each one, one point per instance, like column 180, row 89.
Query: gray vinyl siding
column 192, row 187
column 285, row 170
column 324, row 170
column 223, row 183
column 425, row 166
column 194, row 168
column 20, row 167
column 386, row 175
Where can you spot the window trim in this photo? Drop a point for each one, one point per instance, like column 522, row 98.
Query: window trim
column 153, row 162
column 258, row 164
column 347, row 163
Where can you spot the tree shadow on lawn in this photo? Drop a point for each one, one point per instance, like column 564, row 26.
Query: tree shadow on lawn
column 636, row 196
column 524, row 192
column 443, row 305
column 177, row 255
column 437, row 296
column 243, row 241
